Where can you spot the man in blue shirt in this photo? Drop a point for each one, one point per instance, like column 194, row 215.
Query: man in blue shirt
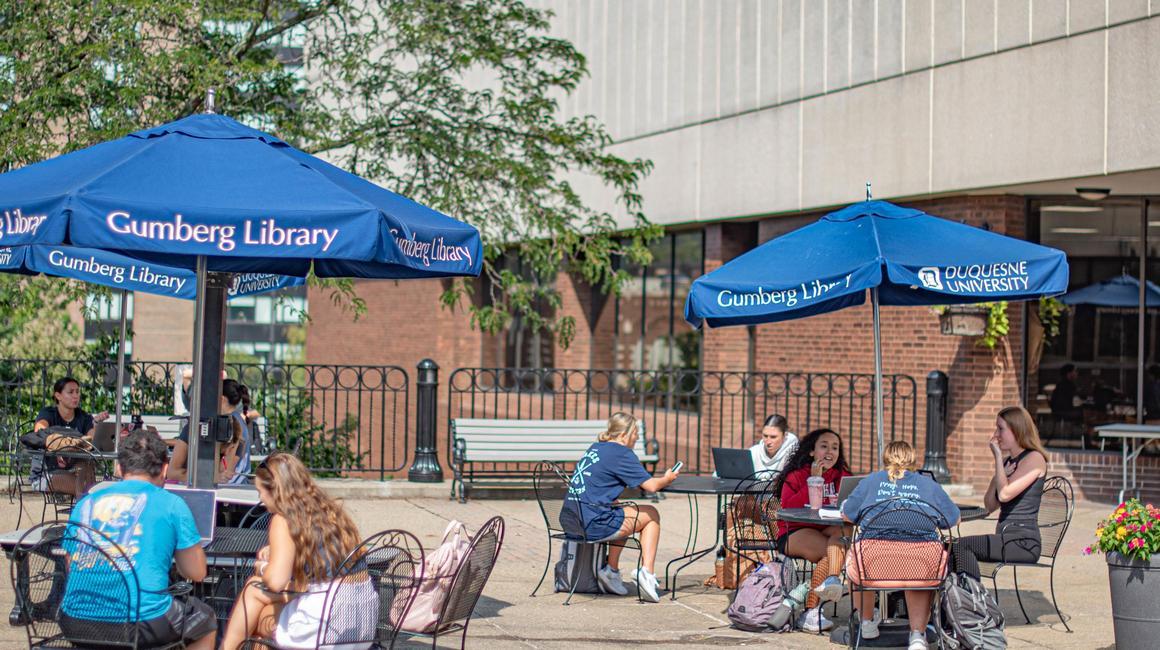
column 155, row 529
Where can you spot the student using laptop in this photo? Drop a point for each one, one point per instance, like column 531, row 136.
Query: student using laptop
column 774, row 449
column 156, row 530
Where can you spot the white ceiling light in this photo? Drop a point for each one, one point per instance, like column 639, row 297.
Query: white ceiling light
column 1074, row 231
column 1093, row 193
column 1071, row 208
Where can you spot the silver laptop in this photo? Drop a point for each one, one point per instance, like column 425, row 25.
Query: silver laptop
column 105, row 436
column 732, row 463
column 846, row 487
column 203, row 505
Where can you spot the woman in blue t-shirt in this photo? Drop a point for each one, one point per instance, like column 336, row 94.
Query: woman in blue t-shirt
column 607, row 468
column 875, row 495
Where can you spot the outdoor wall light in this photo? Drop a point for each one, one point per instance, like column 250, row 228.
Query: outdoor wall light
column 1093, row 193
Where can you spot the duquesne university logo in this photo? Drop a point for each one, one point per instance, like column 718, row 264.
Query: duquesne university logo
column 930, row 278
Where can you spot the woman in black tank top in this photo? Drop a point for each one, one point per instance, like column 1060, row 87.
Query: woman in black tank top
column 1015, row 491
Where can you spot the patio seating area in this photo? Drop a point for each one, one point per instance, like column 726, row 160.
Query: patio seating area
column 506, row 616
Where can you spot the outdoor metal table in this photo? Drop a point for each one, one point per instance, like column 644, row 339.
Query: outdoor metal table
column 696, row 485
column 811, row 516
column 1131, row 434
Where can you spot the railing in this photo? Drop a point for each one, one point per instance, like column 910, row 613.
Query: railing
column 689, row 411
column 350, row 419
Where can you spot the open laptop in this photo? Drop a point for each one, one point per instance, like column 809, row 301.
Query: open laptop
column 846, row 487
column 732, row 463
column 203, row 505
column 105, row 436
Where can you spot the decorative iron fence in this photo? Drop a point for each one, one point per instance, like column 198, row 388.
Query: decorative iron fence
column 688, row 411
column 350, row 419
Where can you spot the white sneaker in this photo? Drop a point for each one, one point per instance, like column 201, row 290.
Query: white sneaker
column 870, row 628
column 812, row 620
column 609, row 578
column 917, row 641
column 830, row 589
column 647, row 584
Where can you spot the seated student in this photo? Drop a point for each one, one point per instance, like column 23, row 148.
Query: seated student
column 773, row 451
column 310, row 537
column 67, row 412
column 235, row 460
column 1063, row 396
column 1015, row 491
column 820, row 454
column 155, row 529
column 869, row 501
column 607, row 468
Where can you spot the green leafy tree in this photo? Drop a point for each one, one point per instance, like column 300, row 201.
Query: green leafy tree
column 450, row 102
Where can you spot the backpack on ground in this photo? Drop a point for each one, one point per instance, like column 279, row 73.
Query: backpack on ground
column 439, row 569
column 759, row 596
column 578, row 565
column 971, row 617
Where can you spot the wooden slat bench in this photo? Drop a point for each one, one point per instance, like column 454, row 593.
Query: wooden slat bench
column 526, row 442
column 166, row 428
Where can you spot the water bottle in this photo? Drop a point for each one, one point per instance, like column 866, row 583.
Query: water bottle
column 719, row 568
column 795, row 598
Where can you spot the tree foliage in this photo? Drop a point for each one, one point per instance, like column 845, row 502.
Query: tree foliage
column 450, row 102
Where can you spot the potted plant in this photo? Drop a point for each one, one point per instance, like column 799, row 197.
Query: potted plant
column 988, row 321
column 1130, row 540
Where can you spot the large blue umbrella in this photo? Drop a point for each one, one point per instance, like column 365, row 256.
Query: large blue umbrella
column 902, row 255
column 1121, row 291
column 211, row 194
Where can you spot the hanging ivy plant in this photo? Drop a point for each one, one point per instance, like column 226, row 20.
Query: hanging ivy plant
column 997, row 324
column 1050, row 316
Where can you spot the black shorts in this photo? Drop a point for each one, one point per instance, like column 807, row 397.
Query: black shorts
column 187, row 619
column 783, row 542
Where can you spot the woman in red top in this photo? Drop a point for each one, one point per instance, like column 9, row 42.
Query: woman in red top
column 819, row 454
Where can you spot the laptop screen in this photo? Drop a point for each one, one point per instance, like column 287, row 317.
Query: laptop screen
column 105, row 436
column 203, row 505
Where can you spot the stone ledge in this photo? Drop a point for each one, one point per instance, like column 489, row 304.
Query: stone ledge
column 356, row 488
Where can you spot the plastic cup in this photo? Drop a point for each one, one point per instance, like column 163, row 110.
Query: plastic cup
column 816, row 486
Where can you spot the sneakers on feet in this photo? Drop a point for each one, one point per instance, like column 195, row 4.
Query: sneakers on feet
column 870, row 628
column 609, row 578
column 812, row 620
column 647, row 584
column 917, row 641
column 830, row 589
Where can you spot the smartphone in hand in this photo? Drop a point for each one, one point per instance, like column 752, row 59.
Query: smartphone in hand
column 678, row 466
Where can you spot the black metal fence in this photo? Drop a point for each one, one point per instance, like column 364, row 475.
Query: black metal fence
column 350, row 419
column 689, row 411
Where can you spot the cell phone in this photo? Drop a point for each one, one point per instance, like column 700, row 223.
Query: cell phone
column 678, row 466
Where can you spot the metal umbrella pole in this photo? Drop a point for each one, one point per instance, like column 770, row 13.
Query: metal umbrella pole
column 195, row 382
column 879, row 427
column 121, row 371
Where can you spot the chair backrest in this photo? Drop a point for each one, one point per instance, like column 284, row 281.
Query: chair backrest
column 472, row 574
column 374, row 589
column 74, row 567
column 1055, row 511
column 901, row 544
column 551, row 485
column 750, row 510
column 257, row 517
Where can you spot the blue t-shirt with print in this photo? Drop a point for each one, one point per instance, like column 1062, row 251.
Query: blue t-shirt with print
column 868, row 502
column 606, row 469
column 150, row 525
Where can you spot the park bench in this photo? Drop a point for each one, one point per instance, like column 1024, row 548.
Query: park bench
column 511, row 448
column 166, row 428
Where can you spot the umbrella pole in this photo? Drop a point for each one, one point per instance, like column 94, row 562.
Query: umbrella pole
column 121, row 370
column 877, row 374
column 195, row 382
column 1143, row 305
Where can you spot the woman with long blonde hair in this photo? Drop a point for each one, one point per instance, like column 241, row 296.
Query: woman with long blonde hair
column 607, row 468
column 1016, row 490
column 898, row 485
column 310, row 537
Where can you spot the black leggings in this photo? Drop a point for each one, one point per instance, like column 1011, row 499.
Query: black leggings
column 1015, row 544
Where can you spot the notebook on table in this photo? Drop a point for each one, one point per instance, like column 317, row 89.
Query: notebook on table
column 203, row 505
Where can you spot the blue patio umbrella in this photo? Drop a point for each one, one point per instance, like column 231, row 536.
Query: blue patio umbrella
column 207, row 193
column 1121, row 291
column 901, row 255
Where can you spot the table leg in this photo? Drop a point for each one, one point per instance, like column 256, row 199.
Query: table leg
column 691, row 557
column 1124, row 469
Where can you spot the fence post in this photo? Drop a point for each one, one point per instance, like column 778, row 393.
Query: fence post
column 425, row 468
column 937, row 384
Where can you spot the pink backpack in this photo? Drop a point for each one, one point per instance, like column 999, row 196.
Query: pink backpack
column 439, row 569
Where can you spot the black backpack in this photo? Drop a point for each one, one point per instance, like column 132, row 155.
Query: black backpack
column 971, row 617
column 578, row 565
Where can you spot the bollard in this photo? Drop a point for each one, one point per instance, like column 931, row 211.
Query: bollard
column 937, row 386
column 425, row 468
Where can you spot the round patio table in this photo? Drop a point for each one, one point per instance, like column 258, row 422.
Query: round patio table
column 811, row 516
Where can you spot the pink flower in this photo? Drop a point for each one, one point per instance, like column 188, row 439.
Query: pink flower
column 1087, row 551
column 1136, row 543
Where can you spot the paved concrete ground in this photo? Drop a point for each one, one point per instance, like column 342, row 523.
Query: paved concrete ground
column 508, row 618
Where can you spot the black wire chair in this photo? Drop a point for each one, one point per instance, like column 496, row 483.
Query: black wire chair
column 551, row 486
column 898, row 545
column 1055, row 512
column 60, row 565
column 752, row 511
column 66, row 474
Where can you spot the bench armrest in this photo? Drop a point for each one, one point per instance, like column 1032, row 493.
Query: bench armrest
column 458, row 450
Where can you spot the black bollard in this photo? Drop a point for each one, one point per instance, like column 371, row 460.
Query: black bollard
column 425, row 468
column 937, row 384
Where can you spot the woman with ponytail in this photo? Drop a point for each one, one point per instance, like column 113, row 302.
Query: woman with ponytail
column 310, row 537
column 873, row 496
column 590, row 511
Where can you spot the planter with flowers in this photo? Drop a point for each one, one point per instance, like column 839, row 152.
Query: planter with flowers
column 1130, row 538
